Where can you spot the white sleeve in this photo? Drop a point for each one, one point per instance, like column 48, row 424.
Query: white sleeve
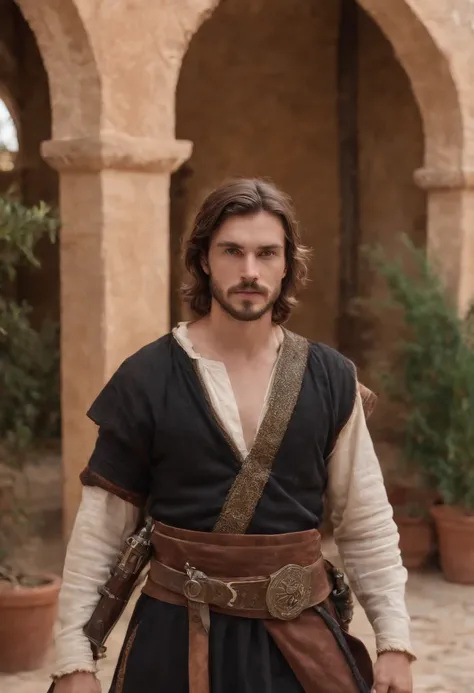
column 366, row 534
column 102, row 523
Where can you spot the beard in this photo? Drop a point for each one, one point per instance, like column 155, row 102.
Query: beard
column 247, row 312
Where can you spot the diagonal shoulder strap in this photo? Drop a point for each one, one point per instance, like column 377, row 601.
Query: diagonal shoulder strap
column 247, row 489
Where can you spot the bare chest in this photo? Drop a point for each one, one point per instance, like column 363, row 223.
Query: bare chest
column 250, row 386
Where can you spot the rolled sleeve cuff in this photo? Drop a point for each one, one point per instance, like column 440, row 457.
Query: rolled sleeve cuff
column 90, row 478
column 76, row 665
column 393, row 635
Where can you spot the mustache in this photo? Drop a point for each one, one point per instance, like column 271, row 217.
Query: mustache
column 248, row 286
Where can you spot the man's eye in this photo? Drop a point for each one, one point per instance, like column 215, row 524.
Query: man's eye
column 232, row 251
column 267, row 253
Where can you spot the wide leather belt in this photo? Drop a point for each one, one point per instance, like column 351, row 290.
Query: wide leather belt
column 283, row 595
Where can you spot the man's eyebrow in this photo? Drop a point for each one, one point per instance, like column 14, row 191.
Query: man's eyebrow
column 271, row 246
column 229, row 244
column 232, row 244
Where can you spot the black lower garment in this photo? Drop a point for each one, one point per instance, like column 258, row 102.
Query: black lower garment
column 242, row 655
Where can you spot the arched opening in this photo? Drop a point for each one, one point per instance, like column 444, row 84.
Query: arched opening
column 26, row 83
column 8, row 147
column 30, row 348
column 252, row 107
column 312, row 96
column 8, row 137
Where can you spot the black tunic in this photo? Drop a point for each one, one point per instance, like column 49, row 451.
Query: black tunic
column 161, row 443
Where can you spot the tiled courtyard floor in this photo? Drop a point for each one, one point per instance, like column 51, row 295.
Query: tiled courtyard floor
column 443, row 637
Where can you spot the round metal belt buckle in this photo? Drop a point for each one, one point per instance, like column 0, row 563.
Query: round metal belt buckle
column 192, row 589
column 289, row 592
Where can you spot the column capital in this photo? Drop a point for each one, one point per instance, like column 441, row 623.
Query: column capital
column 444, row 178
column 116, row 151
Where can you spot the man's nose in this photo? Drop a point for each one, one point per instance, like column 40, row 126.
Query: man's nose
column 250, row 269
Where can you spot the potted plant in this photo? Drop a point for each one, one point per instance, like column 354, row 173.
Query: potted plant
column 433, row 380
column 29, row 410
column 454, row 476
column 411, row 512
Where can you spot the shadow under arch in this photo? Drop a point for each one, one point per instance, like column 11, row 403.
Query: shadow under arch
column 427, row 67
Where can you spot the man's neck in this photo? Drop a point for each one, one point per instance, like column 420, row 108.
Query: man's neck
column 229, row 336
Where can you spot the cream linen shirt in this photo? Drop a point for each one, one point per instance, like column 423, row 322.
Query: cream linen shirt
column 364, row 531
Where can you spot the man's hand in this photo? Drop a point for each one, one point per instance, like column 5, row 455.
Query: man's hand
column 392, row 673
column 78, row 682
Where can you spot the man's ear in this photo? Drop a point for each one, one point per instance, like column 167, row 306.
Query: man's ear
column 205, row 264
column 285, row 271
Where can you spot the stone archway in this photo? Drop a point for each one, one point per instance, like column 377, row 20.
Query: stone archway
column 252, row 108
column 65, row 46
column 416, row 34
column 428, row 57
column 424, row 47
column 408, row 27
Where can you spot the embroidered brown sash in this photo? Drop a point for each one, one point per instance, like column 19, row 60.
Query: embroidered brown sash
column 250, row 482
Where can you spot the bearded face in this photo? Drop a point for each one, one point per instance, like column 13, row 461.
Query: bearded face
column 246, row 265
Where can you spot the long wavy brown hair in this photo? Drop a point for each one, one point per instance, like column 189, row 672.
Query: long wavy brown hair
column 243, row 197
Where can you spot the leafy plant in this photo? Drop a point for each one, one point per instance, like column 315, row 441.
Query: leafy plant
column 29, row 357
column 20, row 230
column 433, row 377
column 29, row 378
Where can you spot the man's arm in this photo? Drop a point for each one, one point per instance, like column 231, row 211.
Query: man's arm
column 102, row 524
column 366, row 534
column 116, row 484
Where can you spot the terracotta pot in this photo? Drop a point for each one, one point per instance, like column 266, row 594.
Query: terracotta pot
column 416, row 540
column 27, row 616
column 456, row 543
column 400, row 495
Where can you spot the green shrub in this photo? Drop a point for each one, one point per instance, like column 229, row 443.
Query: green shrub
column 433, row 377
column 29, row 358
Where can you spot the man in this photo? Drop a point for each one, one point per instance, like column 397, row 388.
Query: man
column 233, row 431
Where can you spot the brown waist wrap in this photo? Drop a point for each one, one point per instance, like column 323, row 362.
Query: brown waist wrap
column 276, row 578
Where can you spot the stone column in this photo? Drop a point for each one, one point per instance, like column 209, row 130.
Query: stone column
column 451, row 228
column 114, row 247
